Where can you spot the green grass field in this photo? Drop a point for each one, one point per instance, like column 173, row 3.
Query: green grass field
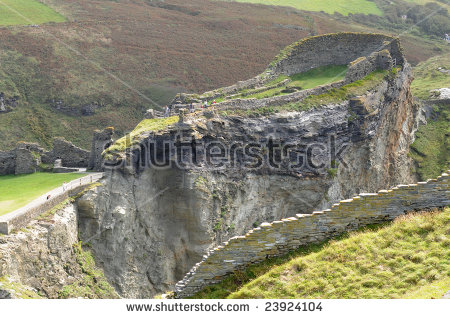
column 408, row 258
column 305, row 80
column 431, row 149
column 329, row 6
column 17, row 191
column 25, row 12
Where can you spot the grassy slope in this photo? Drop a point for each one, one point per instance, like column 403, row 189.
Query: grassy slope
column 333, row 96
column 17, row 191
column 431, row 149
column 408, row 258
column 427, row 77
column 128, row 39
column 148, row 125
column 14, row 12
column 93, row 284
column 307, row 80
column 330, row 6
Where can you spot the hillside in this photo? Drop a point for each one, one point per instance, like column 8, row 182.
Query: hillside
column 407, row 258
column 112, row 60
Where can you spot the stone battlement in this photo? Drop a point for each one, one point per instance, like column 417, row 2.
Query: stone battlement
column 280, row 237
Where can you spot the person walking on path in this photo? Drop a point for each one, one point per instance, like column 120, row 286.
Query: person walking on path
column 166, row 111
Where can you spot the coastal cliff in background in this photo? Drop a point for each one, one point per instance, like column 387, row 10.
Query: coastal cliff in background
column 148, row 226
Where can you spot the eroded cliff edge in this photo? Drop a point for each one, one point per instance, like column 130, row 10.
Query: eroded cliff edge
column 149, row 226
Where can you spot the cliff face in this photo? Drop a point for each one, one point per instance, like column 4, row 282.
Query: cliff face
column 148, row 226
column 45, row 260
column 41, row 255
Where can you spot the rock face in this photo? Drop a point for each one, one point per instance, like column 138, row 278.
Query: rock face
column 45, row 259
column 42, row 257
column 149, row 225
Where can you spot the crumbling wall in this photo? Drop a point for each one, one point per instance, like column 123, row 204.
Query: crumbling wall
column 336, row 49
column 71, row 155
column 7, row 163
column 102, row 140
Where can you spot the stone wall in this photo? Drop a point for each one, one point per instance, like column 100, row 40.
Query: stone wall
column 27, row 157
column 279, row 237
column 7, row 163
column 362, row 52
column 252, row 103
column 337, row 49
column 102, row 140
column 71, row 155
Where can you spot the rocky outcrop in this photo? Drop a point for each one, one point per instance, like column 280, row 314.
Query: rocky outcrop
column 149, row 225
column 172, row 194
column 44, row 259
column 41, row 256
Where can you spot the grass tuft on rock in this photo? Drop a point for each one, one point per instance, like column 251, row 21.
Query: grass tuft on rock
column 93, row 284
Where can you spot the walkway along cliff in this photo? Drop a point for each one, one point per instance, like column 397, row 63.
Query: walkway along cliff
column 177, row 187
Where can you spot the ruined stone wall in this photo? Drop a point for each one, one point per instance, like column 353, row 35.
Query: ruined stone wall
column 71, row 155
column 336, row 49
column 279, row 237
column 363, row 52
column 7, row 163
column 102, row 139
